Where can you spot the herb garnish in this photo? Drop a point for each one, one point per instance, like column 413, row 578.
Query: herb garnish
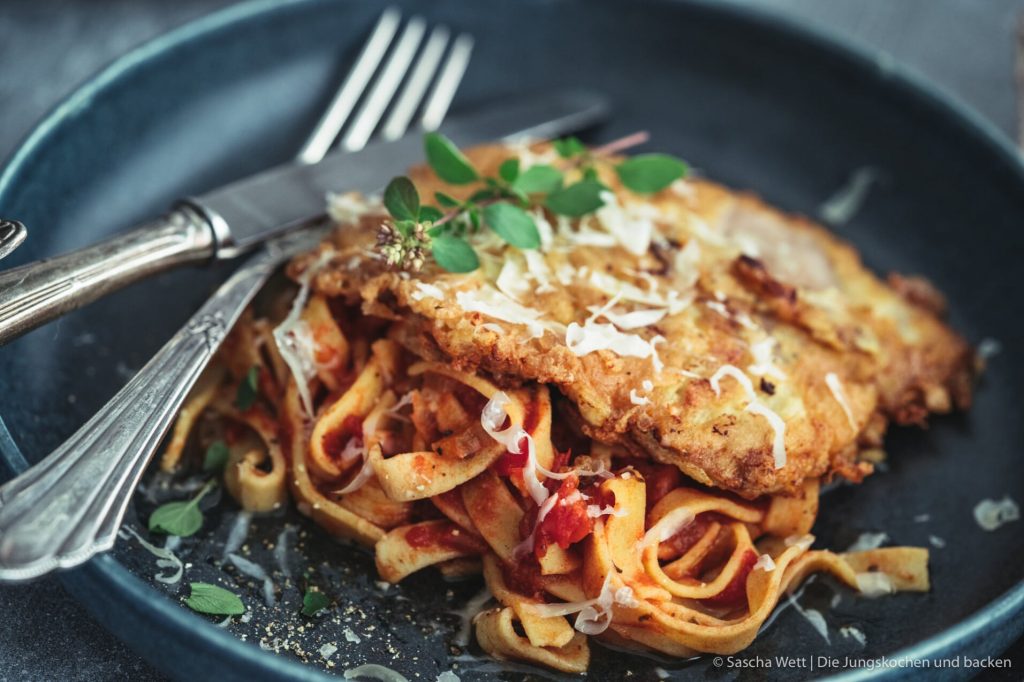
column 214, row 600
column 249, row 389
column 182, row 518
column 501, row 204
column 216, row 457
column 313, row 602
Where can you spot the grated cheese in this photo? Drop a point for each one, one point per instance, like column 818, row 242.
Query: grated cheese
column 868, row 541
column 631, row 320
column 814, row 617
column 803, row 541
column 936, row 541
column 294, row 338
column 426, row 290
column 256, row 572
column 834, row 385
column 632, row 225
column 667, row 526
column 852, row 632
column 754, row 406
column 375, row 672
column 638, row 399
column 764, row 361
column 765, row 563
column 492, row 418
column 493, row 303
column 991, row 514
column 594, row 336
column 166, row 558
column 874, row 584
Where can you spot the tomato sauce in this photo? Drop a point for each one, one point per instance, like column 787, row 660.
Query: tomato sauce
column 734, row 595
column 334, row 442
column 447, row 536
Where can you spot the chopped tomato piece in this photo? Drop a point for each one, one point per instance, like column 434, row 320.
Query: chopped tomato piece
column 567, row 522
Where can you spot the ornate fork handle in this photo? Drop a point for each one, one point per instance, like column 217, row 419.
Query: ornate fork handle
column 70, row 505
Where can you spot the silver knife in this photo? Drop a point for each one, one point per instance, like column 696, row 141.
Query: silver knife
column 236, row 218
column 69, row 506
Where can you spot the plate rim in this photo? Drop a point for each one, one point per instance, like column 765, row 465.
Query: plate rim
column 872, row 64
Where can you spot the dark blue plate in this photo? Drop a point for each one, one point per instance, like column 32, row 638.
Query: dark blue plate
column 748, row 99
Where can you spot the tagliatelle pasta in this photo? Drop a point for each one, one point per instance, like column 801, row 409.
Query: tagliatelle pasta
column 431, row 466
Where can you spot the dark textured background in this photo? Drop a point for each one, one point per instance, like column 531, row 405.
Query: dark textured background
column 49, row 46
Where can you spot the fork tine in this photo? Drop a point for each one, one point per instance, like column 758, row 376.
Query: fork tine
column 416, row 85
column 448, row 83
column 344, row 102
column 384, row 89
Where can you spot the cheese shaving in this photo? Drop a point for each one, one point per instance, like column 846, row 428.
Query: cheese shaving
column 492, row 418
column 814, row 617
column 426, row 290
column 595, row 336
column 294, row 338
column 991, row 514
column 737, row 374
column 802, row 541
column 632, row 320
column 765, row 563
column 868, row 541
column 374, row 672
column 764, row 361
column 851, row 632
column 667, row 526
column 632, row 225
column 612, row 286
column 874, row 584
column 489, row 301
column 638, row 399
column 834, row 385
column 256, row 572
column 165, row 557
column 755, row 407
column 778, row 425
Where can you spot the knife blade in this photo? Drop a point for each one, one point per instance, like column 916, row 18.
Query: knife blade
column 234, row 219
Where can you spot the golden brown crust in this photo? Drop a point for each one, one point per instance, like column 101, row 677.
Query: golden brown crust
column 762, row 284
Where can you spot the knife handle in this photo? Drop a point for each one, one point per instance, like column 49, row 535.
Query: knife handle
column 33, row 294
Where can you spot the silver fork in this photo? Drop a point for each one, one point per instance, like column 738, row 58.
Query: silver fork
column 69, row 506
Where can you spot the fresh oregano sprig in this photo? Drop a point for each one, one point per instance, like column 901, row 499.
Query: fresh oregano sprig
column 182, row 518
column 501, row 203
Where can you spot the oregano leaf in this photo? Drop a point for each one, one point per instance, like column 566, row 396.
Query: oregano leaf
column 577, row 199
column 509, row 170
column 314, row 602
column 540, row 179
column 430, row 213
column 216, row 457
column 401, row 199
column 648, row 173
column 249, row 389
column 214, row 600
column 568, row 147
column 182, row 518
column 512, row 224
column 445, row 200
column 454, row 254
column 448, row 162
